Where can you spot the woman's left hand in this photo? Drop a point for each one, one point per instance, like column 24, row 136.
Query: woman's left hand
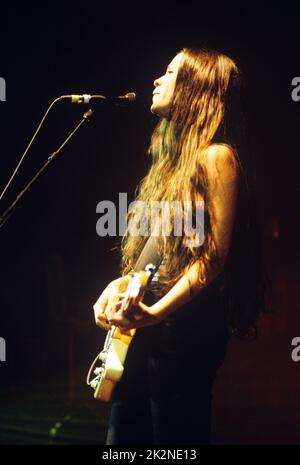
column 140, row 315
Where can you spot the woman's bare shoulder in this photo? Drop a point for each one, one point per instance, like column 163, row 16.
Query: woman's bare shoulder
column 221, row 153
column 221, row 158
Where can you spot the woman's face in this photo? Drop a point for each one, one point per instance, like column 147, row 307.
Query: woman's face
column 164, row 88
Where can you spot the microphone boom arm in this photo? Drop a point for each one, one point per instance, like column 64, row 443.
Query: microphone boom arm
column 9, row 210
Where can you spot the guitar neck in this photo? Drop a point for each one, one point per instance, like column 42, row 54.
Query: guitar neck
column 149, row 254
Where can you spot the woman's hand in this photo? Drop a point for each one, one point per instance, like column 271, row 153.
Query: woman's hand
column 107, row 309
column 140, row 315
column 109, row 301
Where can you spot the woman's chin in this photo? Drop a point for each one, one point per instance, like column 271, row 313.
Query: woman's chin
column 156, row 110
column 153, row 108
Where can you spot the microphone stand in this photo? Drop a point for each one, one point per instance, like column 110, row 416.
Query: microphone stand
column 9, row 210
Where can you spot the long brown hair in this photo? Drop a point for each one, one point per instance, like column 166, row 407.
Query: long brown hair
column 204, row 111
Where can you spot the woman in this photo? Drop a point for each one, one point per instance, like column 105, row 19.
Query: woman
column 205, row 292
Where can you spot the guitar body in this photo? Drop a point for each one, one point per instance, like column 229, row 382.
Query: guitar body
column 116, row 347
column 117, row 341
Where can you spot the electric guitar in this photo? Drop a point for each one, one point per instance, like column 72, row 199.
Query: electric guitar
column 113, row 355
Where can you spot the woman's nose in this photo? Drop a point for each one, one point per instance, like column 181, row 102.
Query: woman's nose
column 157, row 82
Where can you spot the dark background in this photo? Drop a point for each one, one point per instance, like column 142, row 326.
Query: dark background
column 53, row 264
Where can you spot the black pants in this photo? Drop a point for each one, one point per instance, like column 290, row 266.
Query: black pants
column 152, row 422
column 164, row 397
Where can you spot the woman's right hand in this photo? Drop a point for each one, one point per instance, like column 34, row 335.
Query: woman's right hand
column 111, row 299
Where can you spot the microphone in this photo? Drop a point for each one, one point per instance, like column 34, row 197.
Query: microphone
column 130, row 97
